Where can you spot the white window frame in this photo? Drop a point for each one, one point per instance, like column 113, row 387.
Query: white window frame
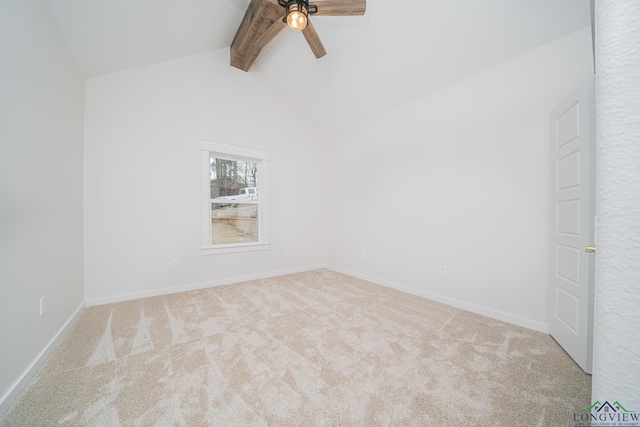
column 234, row 152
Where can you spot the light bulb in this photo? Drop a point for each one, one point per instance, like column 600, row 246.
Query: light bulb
column 297, row 20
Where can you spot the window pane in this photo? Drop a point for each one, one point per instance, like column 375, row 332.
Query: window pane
column 233, row 223
column 233, row 178
column 234, row 201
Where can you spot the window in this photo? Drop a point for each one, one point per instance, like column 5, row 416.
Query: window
column 234, row 198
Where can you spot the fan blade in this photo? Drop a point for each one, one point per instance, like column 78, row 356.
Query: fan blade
column 313, row 39
column 277, row 26
column 340, row 7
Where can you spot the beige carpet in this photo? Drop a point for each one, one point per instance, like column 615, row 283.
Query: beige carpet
column 315, row 348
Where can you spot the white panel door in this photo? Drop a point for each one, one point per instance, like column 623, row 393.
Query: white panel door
column 571, row 323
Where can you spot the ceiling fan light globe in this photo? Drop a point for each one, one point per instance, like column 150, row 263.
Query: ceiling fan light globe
column 297, row 20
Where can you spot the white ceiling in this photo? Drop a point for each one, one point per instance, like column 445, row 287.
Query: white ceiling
column 374, row 62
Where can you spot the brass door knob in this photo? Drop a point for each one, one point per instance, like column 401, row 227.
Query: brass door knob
column 590, row 249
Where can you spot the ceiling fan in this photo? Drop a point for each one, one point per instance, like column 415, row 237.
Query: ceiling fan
column 264, row 19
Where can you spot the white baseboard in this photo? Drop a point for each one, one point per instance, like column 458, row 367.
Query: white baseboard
column 494, row 314
column 195, row 286
column 21, row 384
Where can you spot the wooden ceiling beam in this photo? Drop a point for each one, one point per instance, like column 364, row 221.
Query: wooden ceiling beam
column 259, row 18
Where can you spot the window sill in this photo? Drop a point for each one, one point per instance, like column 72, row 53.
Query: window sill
column 230, row 249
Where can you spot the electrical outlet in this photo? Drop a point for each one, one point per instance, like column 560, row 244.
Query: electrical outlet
column 43, row 306
column 363, row 255
column 443, row 270
column 175, row 263
column 286, row 252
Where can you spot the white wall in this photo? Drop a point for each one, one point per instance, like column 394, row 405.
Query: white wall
column 142, row 163
column 41, row 122
column 459, row 178
column 616, row 359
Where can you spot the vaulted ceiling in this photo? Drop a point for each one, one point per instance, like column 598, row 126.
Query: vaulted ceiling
column 393, row 54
